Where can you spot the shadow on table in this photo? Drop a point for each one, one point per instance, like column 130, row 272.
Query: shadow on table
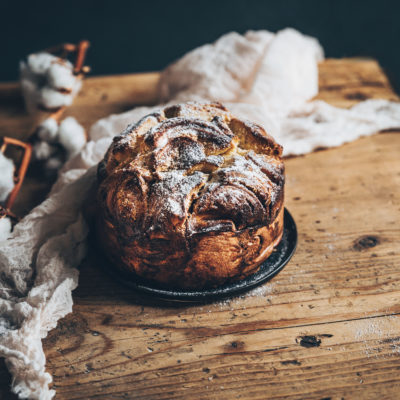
column 96, row 282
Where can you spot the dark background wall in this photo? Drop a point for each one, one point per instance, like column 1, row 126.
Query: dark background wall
column 132, row 36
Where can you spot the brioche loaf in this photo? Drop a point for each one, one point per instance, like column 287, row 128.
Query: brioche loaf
column 191, row 197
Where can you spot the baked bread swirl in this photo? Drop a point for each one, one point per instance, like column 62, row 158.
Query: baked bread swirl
column 191, row 197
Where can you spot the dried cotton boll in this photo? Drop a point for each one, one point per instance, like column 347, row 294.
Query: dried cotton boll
column 6, row 177
column 33, row 78
column 61, row 76
column 25, row 72
column 42, row 151
column 30, row 92
column 5, row 228
column 51, row 98
column 48, row 82
column 48, row 130
column 39, row 63
column 54, row 163
column 71, row 135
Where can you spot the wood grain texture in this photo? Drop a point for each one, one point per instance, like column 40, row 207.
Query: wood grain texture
column 327, row 326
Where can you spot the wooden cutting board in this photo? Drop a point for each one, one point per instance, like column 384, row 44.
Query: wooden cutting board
column 326, row 327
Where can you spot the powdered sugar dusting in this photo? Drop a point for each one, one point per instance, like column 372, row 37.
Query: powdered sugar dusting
column 181, row 154
column 239, row 302
column 168, row 205
column 375, row 333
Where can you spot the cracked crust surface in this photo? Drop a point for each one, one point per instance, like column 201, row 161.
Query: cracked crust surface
column 191, row 197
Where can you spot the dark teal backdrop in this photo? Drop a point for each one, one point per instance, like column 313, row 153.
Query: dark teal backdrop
column 131, row 36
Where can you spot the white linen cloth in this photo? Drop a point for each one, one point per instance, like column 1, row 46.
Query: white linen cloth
column 262, row 76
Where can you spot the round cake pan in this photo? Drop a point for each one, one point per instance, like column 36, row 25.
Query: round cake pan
column 269, row 268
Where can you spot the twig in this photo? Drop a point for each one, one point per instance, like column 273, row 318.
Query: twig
column 19, row 175
column 5, row 212
column 80, row 56
column 65, row 48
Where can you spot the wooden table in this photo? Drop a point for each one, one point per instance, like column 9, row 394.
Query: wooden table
column 326, row 327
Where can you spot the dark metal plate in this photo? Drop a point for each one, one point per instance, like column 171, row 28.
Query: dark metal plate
column 274, row 263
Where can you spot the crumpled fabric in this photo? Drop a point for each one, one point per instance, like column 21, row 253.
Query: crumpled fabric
column 268, row 78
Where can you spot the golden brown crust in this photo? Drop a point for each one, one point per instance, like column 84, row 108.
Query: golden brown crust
column 191, row 197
